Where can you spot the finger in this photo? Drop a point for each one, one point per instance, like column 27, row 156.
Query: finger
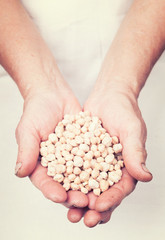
column 28, row 149
column 92, row 217
column 107, row 217
column 76, row 199
column 51, row 190
column 113, row 197
column 134, row 155
column 91, row 200
column 75, row 214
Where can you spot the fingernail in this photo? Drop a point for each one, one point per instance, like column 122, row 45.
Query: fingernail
column 17, row 167
column 74, row 205
column 145, row 168
column 101, row 222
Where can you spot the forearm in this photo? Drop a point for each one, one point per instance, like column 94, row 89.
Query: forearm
column 23, row 53
column 138, row 44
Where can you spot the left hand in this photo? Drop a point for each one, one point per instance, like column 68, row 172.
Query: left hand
column 100, row 208
column 119, row 112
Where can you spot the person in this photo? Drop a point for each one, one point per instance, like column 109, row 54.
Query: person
column 25, row 55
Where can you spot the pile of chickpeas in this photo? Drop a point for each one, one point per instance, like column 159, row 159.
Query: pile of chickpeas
column 81, row 155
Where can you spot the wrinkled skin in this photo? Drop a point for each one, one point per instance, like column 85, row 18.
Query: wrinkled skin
column 120, row 116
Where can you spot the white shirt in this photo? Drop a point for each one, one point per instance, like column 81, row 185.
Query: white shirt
column 79, row 33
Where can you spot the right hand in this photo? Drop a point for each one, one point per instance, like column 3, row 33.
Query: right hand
column 42, row 111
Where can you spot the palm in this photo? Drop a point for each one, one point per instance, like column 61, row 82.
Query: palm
column 121, row 117
column 41, row 115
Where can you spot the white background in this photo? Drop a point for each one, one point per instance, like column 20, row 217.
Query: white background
column 24, row 213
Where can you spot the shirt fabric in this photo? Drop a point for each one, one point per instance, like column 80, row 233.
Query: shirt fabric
column 79, row 33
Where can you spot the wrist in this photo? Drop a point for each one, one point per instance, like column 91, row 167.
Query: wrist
column 40, row 81
column 118, row 84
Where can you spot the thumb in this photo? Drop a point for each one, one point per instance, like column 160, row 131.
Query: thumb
column 134, row 154
column 28, row 149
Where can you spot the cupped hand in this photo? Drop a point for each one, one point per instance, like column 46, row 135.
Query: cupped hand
column 120, row 114
column 42, row 112
column 100, row 208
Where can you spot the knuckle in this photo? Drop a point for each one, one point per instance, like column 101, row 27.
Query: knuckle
column 17, row 131
column 145, row 153
column 19, row 127
column 141, row 151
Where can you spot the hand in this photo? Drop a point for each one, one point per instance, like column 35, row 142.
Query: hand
column 99, row 209
column 121, row 116
column 42, row 111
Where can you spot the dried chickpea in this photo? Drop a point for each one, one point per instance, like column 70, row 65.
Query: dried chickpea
column 69, row 163
column 93, row 183
column 79, row 139
column 69, row 157
column 88, row 156
column 101, row 147
column 44, row 162
column 60, row 168
column 107, row 141
column 89, row 170
column 98, row 166
column 43, row 151
column 50, row 157
column 47, row 143
column 105, row 166
column 115, row 140
column 81, row 155
column 88, row 187
column 104, row 175
column 84, row 147
column 58, row 177
column 100, row 159
column 93, row 148
column 69, row 170
column 84, row 176
column 113, row 176
column 74, row 186
column 117, row 148
column 83, row 129
column 86, row 164
column 42, row 144
column 96, row 154
column 51, row 149
column 76, row 170
column 87, row 141
column 84, row 190
column 78, row 161
column 66, row 186
column 62, row 140
column 104, row 154
column 95, row 173
column 109, row 158
column 68, row 147
column 104, row 185
column 97, row 191
column 77, row 180
column 74, row 150
column 72, row 177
